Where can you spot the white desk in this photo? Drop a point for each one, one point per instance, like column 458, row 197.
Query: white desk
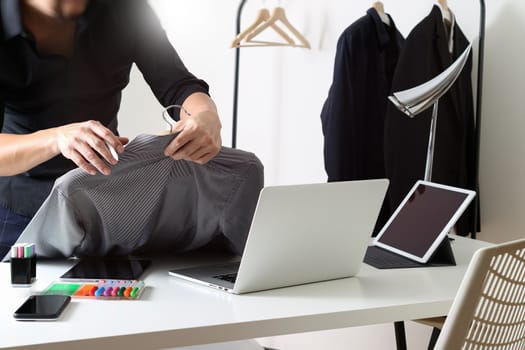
column 173, row 312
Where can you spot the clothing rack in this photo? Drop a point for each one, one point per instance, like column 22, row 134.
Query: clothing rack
column 477, row 128
column 236, row 78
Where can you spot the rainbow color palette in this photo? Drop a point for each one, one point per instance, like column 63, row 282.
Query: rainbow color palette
column 102, row 289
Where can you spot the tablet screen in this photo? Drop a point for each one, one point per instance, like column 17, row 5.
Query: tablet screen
column 422, row 218
column 106, row 268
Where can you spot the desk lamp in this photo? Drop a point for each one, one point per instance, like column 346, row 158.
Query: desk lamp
column 417, row 99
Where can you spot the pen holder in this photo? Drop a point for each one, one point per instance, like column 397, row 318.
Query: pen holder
column 23, row 270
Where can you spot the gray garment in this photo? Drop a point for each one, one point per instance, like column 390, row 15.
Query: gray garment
column 149, row 204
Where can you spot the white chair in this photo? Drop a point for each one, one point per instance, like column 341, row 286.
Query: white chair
column 488, row 311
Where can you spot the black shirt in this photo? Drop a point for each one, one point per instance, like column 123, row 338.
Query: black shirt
column 425, row 55
column 354, row 112
column 39, row 90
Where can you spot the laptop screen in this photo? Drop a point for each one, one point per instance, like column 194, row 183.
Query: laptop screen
column 427, row 213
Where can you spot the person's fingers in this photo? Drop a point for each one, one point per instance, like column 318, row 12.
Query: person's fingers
column 195, row 142
column 178, row 127
column 199, row 154
column 87, row 144
column 194, row 151
column 178, row 142
column 186, row 151
column 91, row 157
column 205, row 158
column 82, row 163
column 205, row 154
column 102, row 148
column 106, row 135
column 123, row 140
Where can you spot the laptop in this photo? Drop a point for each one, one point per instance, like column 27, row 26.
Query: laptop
column 417, row 232
column 300, row 234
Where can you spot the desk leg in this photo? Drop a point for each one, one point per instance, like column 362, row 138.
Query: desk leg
column 401, row 341
column 433, row 338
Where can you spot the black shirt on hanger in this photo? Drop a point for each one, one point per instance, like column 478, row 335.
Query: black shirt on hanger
column 353, row 114
column 424, row 56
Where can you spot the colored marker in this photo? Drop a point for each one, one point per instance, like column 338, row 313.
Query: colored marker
column 140, row 284
column 20, row 250
column 114, row 292
column 27, row 251
column 93, row 290
column 99, row 292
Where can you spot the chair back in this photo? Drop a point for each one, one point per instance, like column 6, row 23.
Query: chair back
column 489, row 310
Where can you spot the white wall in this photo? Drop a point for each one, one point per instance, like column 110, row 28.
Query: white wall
column 502, row 171
column 283, row 89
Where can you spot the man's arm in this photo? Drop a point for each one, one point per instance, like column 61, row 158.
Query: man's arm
column 83, row 143
column 172, row 83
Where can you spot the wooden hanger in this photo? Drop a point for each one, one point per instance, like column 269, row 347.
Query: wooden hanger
column 378, row 5
column 445, row 11
column 444, row 4
column 262, row 17
column 278, row 15
column 380, row 9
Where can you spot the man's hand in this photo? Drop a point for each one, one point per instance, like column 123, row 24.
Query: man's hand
column 86, row 142
column 199, row 139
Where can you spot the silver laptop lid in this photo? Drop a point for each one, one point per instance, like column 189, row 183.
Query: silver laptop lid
column 309, row 233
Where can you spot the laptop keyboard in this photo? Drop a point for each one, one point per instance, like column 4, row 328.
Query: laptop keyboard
column 230, row 277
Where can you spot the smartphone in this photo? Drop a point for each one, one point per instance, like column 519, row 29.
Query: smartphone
column 42, row 307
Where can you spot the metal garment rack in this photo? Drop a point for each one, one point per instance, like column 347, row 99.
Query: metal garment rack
column 477, row 128
column 236, row 78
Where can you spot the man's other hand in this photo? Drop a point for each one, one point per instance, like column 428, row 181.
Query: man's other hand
column 86, row 144
column 199, row 138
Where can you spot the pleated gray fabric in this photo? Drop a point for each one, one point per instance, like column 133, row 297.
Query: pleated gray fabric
column 149, row 204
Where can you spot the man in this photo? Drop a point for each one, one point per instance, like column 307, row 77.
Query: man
column 63, row 65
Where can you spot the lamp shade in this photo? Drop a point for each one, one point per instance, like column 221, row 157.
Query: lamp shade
column 417, row 99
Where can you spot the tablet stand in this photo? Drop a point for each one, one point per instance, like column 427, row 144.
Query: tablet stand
column 383, row 259
column 443, row 256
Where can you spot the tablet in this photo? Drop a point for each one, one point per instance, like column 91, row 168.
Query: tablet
column 423, row 220
column 107, row 268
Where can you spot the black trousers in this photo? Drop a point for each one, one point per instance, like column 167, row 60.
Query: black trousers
column 11, row 226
